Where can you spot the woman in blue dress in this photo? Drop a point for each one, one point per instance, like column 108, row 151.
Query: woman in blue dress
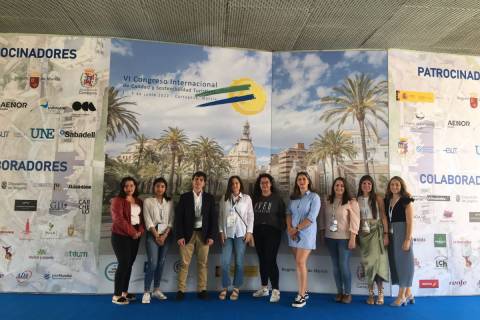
column 302, row 230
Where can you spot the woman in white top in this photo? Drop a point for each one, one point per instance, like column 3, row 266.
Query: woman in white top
column 158, row 215
column 236, row 227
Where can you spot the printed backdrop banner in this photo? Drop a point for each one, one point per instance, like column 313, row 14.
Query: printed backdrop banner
column 51, row 97
column 181, row 109
column 434, row 121
column 78, row 114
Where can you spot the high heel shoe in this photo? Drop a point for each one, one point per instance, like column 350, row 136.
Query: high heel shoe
column 410, row 299
column 401, row 303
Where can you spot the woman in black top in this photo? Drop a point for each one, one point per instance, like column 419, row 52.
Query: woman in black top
column 269, row 222
column 400, row 222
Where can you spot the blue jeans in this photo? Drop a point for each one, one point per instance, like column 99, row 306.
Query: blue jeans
column 340, row 255
column 237, row 245
column 155, row 261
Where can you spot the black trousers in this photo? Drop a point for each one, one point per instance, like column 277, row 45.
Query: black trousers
column 125, row 249
column 267, row 241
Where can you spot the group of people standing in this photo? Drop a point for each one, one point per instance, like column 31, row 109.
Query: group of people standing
column 260, row 220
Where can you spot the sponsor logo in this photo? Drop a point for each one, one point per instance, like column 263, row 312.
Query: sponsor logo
column 467, row 199
column 474, row 216
column 71, row 230
column 24, row 276
column 57, row 276
column 8, row 253
column 424, row 149
column 42, row 133
column 447, row 213
column 25, row 205
column 26, row 234
column 473, row 102
column 6, row 230
column 414, row 96
column 403, row 146
column 419, row 239
column 440, row 240
column 88, row 81
column 457, row 283
column 441, row 262
column 41, row 254
column 450, row 150
column 75, row 134
column 430, row 284
column 85, row 106
column 34, row 80
column 419, row 115
column 458, row 123
column 76, row 254
column 45, row 105
column 50, row 232
column 79, row 186
column 88, row 78
column 58, row 207
column 437, row 197
column 477, row 149
column 110, row 270
column 84, row 206
column 4, row 134
column 11, row 105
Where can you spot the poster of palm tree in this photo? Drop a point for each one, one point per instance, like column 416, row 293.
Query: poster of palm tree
column 329, row 116
column 175, row 109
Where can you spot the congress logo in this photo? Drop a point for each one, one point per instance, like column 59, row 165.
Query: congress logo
column 246, row 96
column 110, row 270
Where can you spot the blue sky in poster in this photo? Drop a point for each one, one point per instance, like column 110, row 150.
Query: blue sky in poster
column 301, row 79
column 193, row 63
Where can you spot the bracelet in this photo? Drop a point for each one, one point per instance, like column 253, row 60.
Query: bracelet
column 385, row 233
column 296, row 228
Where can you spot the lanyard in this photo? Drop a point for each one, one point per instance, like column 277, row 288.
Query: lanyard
column 390, row 209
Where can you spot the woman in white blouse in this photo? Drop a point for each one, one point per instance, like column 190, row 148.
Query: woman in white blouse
column 158, row 215
column 236, row 227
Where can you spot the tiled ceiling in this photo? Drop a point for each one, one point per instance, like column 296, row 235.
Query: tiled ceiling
column 273, row 25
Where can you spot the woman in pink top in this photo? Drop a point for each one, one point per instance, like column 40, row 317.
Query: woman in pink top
column 339, row 225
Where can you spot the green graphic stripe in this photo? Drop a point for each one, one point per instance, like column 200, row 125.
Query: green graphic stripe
column 224, row 90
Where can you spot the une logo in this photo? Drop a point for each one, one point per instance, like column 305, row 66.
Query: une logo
column 41, row 133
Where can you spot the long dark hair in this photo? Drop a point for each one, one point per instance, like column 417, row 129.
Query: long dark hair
column 403, row 188
column 372, row 197
column 229, row 191
column 346, row 194
column 162, row 180
column 122, row 186
column 296, row 189
column 257, row 190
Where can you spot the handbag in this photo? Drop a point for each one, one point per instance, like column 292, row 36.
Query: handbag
column 250, row 243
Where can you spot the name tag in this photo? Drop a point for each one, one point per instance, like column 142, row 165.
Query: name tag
column 231, row 221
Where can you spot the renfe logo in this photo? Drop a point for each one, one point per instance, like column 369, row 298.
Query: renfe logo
column 428, row 283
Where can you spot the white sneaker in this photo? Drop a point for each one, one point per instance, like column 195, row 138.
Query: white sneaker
column 262, row 292
column 275, row 297
column 146, row 297
column 159, row 295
